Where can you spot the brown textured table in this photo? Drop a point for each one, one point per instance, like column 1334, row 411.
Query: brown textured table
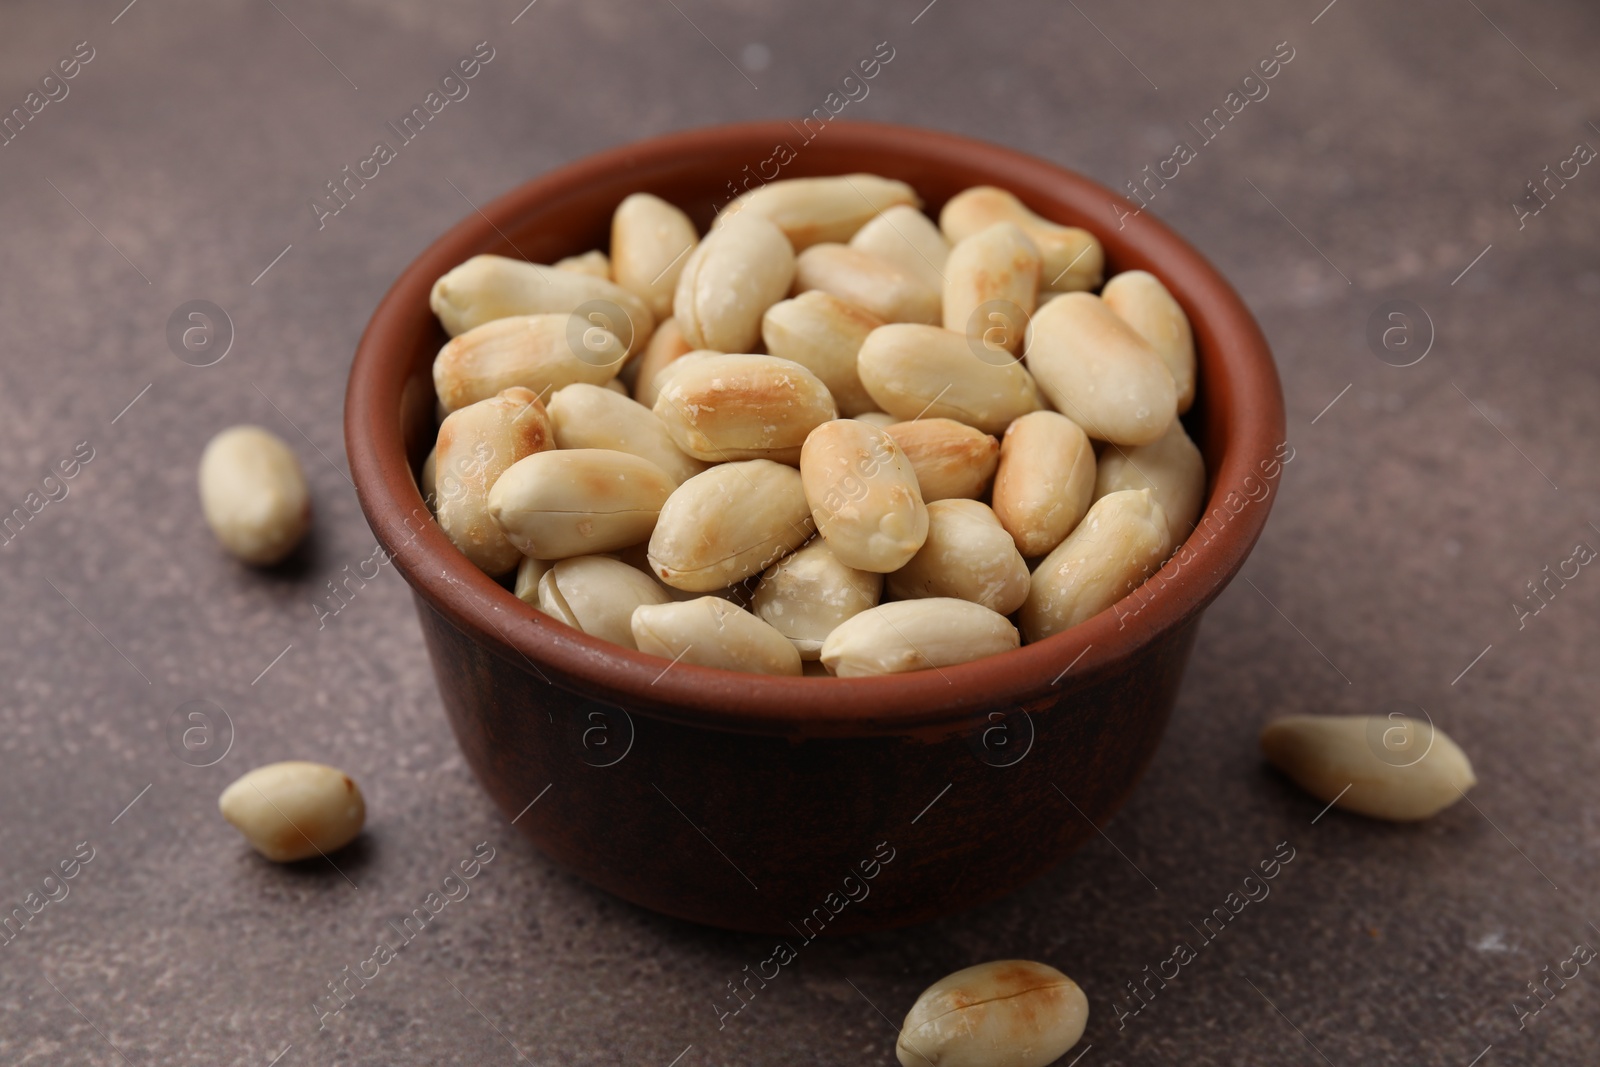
column 1385, row 162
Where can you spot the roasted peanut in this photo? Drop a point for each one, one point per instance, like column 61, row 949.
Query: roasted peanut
column 710, row 632
column 863, row 495
column 650, row 240
column 724, row 407
column 915, row 635
column 578, row 502
column 881, row 288
column 728, row 282
column 1008, row 1013
column 881, row 419
column 585, row 416
column 1139, row 299
column 538, row 352
column 595, row 264
column 665, row 346
column 1172, row 468
column 529, row 571
column 990, row 283
column 1045, row 483
column 908, row 239
column 915, row 371
column 823, row 334
column 477, row 444
column 968, row 555
column 951, row 459
column 812, row 210
column 1099, row 373
column 1387, row 767
column 254, row 494
column 294, row 810
column 729, row 523
column 485, row 288
column 806, row 595
column 1072, row 258
column 1119, row 543
column 597, row 594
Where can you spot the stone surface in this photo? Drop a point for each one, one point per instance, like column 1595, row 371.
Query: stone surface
column 1418, row 506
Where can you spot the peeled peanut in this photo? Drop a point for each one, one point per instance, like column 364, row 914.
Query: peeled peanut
column 812, row 210
column 578, row 502
column 881, row 288
column 594, row 263
column 1096, row 371
column 915, row 635
column 650, row 240
column 951, row 460
column 586, row 416
column 1045, row 483
column 1393, row 767
column 804, row 596
column 1072, row 258
column 597, row 594
column 529, row 572
column 968, row 555
column 722, row 407
column 863, row 495
column 881, row 419
column 990, row 283
column 1172, row 468
column 915, row 372
column 294, row 810
column 907, row 238
column 485, row 288
column 733, row 521
column 823, row 334
column 710, row 632
column 665, row 346
column 476, row 445
column 728, row 282
column 1008, row 1013
column 1139, row 299
column 254, row 494
column 1119, row 543
column 538, row 352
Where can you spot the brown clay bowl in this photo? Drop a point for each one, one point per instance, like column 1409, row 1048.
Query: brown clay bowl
column 805, row 806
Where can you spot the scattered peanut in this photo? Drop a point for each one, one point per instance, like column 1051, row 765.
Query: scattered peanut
column 294, row 810
column 1388, row 767
column 254, row 494
column 1007, row 1013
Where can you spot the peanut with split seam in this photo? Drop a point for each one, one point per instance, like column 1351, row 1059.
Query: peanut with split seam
column 1006, row 1013
column 915, row 635
column 729, row 523
column 578, row 502
column 597, row 594
column 294, row 810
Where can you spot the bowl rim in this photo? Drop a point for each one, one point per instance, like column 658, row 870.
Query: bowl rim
column 813, row 706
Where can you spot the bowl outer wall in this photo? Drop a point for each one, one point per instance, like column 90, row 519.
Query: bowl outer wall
column 1238, row 422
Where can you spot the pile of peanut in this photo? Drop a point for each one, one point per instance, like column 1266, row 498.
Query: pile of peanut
column 829, row 430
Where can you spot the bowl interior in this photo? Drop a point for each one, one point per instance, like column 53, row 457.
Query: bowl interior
column 1237, row 421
